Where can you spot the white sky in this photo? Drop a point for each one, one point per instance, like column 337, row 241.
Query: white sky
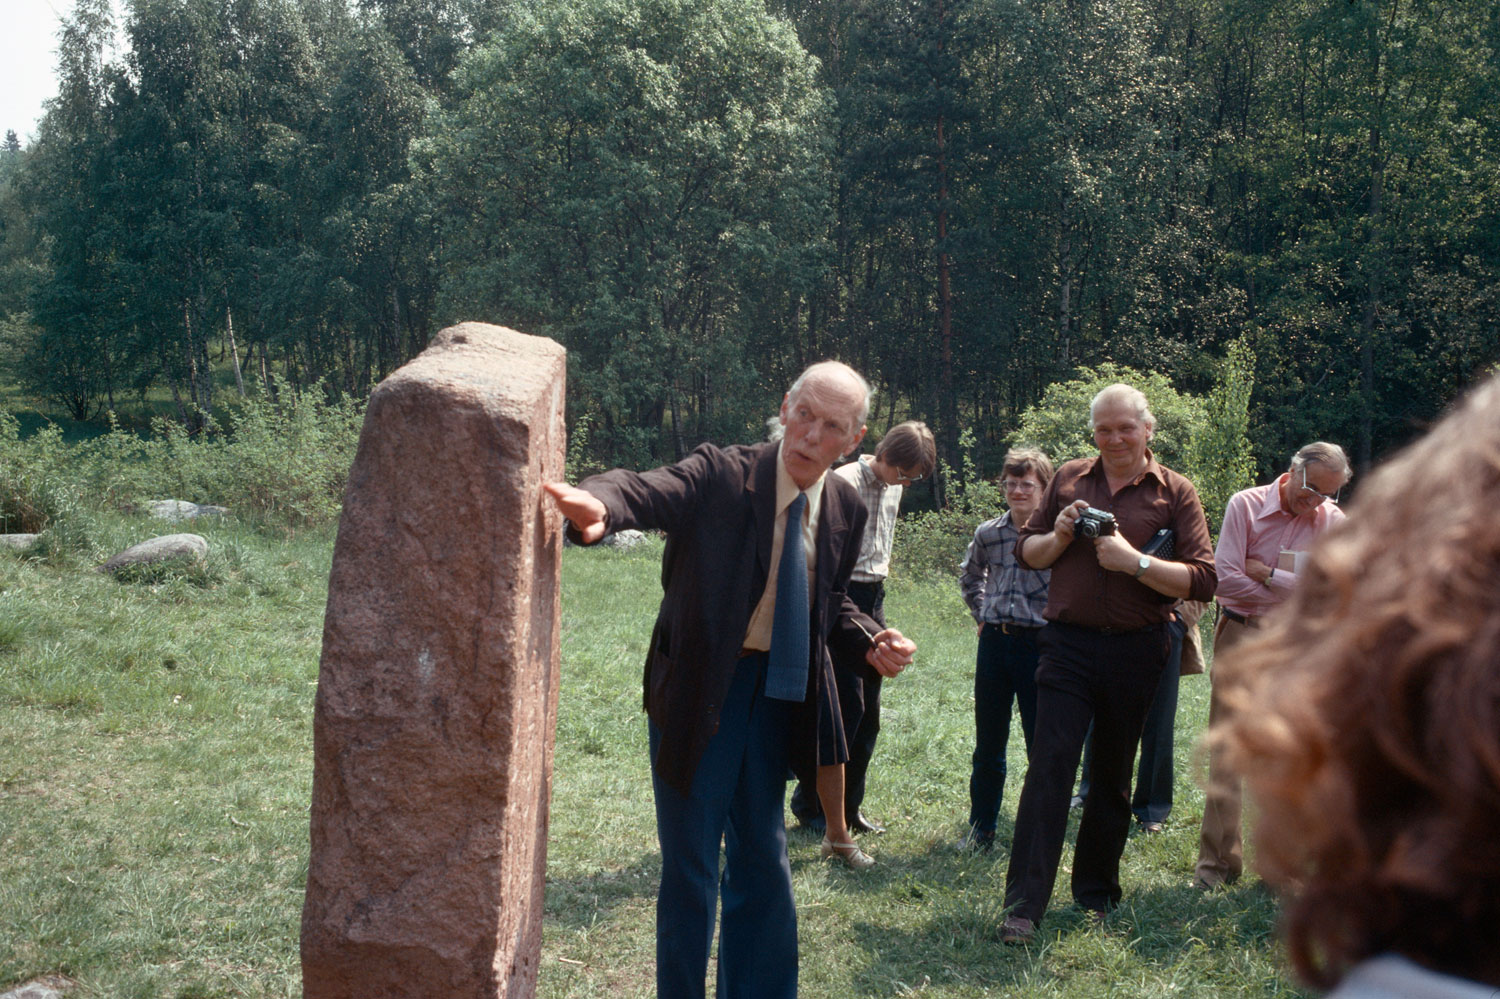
column 28, row 60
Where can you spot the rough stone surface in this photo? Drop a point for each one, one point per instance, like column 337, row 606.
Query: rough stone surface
column 437, row 691
column 46, row 987
column 18, row 542
column 188, row 547
column 624, row 540
column 171, row 509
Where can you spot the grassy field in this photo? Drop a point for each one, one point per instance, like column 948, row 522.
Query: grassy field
column 155, row 759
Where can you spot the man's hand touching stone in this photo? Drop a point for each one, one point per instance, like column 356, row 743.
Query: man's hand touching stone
column 890, row 652
column 583, row 510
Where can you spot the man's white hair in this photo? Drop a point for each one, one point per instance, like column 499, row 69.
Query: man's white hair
column 1121, row 394
column 1330, row 456
column 833, row 374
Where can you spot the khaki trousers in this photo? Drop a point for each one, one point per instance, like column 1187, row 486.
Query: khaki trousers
column 1220, row 848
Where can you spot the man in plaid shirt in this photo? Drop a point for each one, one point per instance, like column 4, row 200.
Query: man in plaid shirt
column 1007, row 600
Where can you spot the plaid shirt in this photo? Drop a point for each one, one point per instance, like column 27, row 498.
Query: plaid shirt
column 883, row 502
column 997, row 588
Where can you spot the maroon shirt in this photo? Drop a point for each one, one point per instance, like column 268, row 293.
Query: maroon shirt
column 1084, row 593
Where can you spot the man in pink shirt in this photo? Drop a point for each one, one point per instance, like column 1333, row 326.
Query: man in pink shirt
column 1264, row 529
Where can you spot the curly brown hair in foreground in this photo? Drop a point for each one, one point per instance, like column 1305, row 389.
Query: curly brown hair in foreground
column 1367, row 718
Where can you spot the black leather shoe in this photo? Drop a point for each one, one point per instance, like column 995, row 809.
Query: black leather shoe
column 863, row 823
column 1017, row 930
column 816, row 824
column 975, row 841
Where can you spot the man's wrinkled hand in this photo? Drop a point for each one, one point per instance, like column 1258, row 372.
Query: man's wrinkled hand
column 583, row 509
column 890, row 652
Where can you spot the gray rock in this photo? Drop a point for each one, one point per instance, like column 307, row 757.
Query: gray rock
column 188, row 547
column 18, row 542
column 171, row 509
column 623, row 540
column 46, row 987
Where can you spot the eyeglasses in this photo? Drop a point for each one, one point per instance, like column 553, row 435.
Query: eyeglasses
column 1320, row 495
column 1018, row 485
column 909, row 479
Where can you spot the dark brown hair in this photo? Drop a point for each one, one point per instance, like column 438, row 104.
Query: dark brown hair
column 909, row 446
column 1367, row 718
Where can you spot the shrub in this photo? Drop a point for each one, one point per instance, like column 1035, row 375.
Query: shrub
column 34, row 492
column 285, row 456
column 1204, row 439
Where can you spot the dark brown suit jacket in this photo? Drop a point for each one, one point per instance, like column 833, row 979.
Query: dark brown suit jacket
column 717, row 507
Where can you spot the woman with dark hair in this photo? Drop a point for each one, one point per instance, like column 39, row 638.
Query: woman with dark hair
column 1367, row 726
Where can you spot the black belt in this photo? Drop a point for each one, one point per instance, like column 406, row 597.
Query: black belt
column 1249, row 622
column 1112, row 631
column 1007, row 628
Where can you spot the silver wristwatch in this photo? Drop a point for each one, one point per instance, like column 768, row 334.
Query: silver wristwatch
column 1144, row 563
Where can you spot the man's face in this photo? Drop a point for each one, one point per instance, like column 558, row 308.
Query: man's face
column 1022, row 493
column 895, row 475
column 1305, row 489
column 1120, row 435
column 820, row 429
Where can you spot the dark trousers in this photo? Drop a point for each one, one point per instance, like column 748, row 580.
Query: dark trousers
column 1082, row 673
column 1004, row 674
column 736, row 797
column 859, row 704
column 1152, row 801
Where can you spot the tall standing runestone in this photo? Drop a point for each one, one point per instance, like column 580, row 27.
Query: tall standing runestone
column 437, row 692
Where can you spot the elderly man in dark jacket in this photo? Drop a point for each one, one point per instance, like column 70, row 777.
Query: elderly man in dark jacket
column 738, row 676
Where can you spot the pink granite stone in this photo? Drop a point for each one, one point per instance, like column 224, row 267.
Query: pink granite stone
column 437, row 691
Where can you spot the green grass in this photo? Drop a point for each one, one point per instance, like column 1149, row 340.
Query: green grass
column 155, row 764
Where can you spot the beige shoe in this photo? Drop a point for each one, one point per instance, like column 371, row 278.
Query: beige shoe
column 849, row 853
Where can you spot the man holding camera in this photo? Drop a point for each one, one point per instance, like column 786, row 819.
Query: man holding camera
column 1103, row 650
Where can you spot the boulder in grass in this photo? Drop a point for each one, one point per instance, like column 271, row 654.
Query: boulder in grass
column 623, row 540
column 168, row 547
column 171, row 509
column 46, row 987
column 17, row 542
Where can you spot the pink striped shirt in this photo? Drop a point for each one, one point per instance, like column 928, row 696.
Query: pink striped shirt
column 1255, row 526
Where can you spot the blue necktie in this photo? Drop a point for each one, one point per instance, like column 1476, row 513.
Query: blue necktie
column 786, row 674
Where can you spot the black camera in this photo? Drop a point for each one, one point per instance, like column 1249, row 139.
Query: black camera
column 1094, row 523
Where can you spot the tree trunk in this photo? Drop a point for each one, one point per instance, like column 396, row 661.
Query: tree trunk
column 239, row 378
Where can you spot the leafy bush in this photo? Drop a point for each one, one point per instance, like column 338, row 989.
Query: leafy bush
column 1059, row 423
column 34, row 492
column 1205, row 440
column 284, row 457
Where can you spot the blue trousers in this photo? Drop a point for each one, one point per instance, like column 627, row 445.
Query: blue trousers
column 1004, row 674
column 736, row 798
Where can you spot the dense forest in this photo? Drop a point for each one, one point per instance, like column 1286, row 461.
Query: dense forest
column 966, row 199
